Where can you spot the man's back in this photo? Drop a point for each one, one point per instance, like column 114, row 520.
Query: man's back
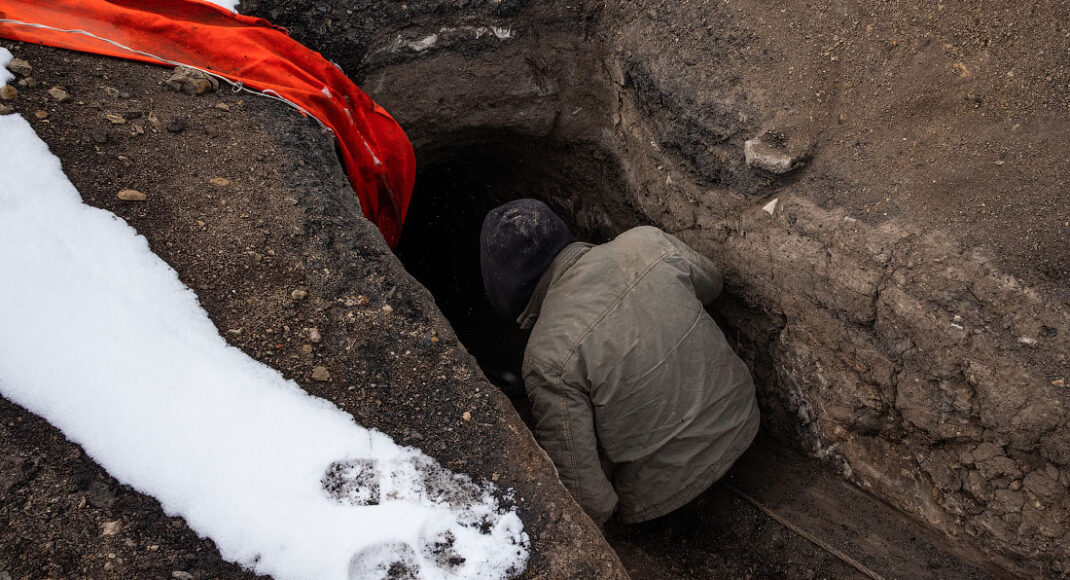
column 624, row 366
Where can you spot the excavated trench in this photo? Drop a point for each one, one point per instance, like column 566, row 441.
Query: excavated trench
column 718, row 535
column 459, row 181
column 909, row 364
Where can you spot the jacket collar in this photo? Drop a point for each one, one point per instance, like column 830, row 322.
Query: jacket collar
column 563, row 261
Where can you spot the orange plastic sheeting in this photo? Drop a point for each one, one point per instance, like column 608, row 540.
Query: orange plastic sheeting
column 375, row 151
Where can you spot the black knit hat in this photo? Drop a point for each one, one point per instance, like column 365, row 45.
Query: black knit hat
column 517, row 244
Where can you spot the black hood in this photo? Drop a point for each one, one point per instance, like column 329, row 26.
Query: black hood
column 517, row 244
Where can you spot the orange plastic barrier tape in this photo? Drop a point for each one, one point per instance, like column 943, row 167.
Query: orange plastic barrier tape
column 251, row 51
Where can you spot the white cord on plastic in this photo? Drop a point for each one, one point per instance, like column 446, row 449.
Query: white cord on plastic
column 235, row 86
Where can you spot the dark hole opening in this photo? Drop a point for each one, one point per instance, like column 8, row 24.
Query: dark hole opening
column 457, row 185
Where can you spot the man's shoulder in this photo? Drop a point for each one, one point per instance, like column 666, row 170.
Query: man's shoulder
column 642, row 234
column 647, row 241
column 638, row 241
column 630, row 253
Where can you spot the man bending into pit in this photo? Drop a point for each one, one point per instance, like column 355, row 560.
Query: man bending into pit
column 636, row 395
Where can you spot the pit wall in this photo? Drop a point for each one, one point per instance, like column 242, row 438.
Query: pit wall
column 907, row 363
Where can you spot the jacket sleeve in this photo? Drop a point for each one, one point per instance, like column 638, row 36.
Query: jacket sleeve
column 705, row 276
column 564, row 427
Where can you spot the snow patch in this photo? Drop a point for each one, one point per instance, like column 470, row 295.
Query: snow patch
column 103, row 340
column 422, row 44
column 499, row 32
column 5, row 57
column 448, row 35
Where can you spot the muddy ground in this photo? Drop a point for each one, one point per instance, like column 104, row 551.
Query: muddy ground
column 904, row 308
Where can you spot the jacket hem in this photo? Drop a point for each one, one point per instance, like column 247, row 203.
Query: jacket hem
column 701, row 483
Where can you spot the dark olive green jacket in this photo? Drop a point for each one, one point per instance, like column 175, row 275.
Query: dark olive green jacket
column 636, row 395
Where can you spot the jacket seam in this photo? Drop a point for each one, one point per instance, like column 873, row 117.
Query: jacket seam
column 563, row 401
column 669, row 352
column 711, row 273
column 620, row 298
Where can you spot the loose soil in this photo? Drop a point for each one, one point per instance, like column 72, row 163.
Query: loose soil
column 721, row 535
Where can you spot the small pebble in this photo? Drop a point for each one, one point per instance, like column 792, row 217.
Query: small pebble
column 314, row 336
column 20, row 67
column 115, row 119
column 176, row 125
column 111, row 92
column 387, row 308
column 466, row 416
column 219, row 181
column 1058, row 383
column 111, row 528
column 131, row 195
column 9, row 93
column 40, row 114
column 321, row 374
column 59, row 95
column 181, row 575
column 6, row 109
column 306, row 349
column 299, row 294
column 770, row 208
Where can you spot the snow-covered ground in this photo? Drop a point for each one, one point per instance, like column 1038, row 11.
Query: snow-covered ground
column 5, row 75
column 99, row 336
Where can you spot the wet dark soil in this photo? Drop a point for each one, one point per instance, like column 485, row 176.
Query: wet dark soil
column 722, row 535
